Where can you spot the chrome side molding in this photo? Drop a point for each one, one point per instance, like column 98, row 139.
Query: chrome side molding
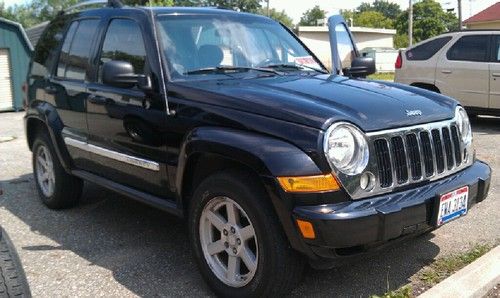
column 132, row 160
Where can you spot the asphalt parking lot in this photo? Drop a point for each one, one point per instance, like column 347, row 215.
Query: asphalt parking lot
column 112, row 246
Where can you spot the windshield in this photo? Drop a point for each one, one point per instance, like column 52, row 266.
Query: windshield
column 210, row 46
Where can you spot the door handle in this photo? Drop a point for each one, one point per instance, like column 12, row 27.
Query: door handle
column 496, row 74
column 50, row 90
column 96, row 99
column 446, row 71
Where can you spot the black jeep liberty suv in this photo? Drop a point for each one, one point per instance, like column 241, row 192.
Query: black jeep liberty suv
column 228, row 120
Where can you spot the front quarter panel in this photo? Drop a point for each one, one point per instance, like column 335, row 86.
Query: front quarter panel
column 265, row 155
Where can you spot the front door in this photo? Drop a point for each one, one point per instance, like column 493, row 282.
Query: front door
column 127, row 145
column 463, row 71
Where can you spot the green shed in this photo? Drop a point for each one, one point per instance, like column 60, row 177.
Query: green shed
column 15, row 54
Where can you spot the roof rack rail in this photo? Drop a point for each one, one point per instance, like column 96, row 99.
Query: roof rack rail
column 105, row 3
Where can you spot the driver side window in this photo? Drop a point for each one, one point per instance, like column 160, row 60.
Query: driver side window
column 124, row 42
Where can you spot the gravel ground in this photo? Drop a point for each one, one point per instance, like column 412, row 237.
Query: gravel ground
column 112, row 246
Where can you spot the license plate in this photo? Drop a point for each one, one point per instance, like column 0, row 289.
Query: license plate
column 452, row 205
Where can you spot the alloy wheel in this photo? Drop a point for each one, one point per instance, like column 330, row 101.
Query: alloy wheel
column 228, row 241
column 45, row 171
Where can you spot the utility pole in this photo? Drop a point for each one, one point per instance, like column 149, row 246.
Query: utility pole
column 268, row 12
column 459, row 15
column 410, row 24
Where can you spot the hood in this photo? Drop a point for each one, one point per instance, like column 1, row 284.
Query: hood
column 318, row 101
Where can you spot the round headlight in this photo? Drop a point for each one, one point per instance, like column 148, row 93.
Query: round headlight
column 463, row 125
column 346, row 148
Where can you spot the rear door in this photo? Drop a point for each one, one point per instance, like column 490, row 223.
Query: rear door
column 462, row 71
column 494, row 102
column 125, row 123
column 67, row 88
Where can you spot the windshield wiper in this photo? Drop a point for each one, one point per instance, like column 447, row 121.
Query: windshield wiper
column 295, row 66
column 226, row 69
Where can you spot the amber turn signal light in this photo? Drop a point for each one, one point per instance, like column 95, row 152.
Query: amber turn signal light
column 318, row 183
column 306, row 228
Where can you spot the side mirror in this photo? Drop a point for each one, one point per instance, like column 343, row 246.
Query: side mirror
column 361, row 67
column 121, row 74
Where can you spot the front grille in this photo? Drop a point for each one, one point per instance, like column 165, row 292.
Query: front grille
column 414, row 155
column 384, row 161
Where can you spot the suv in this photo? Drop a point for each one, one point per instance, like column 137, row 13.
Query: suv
column 464, row 65
column 227, row 120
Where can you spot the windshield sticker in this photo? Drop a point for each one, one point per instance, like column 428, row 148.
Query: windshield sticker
column 306, row 60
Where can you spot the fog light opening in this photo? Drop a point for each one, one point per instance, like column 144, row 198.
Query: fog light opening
column 367, row 181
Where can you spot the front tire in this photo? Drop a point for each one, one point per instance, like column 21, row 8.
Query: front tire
column 56, row 188
column 237, row 241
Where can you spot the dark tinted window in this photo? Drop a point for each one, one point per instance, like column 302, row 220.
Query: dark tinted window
column 64, row 56
column 46, row 51
column 470, row 48
column 428, row 49
column 123, row 42
column 75, row 63
column 496, row 51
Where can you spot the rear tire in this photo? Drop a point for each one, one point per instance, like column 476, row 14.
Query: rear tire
column 56, row 188
column 277, row 268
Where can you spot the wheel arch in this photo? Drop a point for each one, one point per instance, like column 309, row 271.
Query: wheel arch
column 220, row 148
column 43, row 117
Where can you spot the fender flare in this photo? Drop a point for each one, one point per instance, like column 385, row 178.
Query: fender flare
column 265, row 155
column 47, row 114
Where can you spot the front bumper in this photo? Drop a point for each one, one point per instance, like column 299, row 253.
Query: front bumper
column 346, row 228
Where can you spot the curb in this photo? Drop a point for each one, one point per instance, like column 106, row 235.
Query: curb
column 474, row 280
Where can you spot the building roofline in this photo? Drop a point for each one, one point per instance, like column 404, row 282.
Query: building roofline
column 353, row 29
column 491, row 13
column 20, row 27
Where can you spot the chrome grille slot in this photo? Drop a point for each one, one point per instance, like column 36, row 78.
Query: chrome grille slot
column 448, row 148
column 438, row 149
column 414, row 155
column 427, row 151
column 456, row 145
column 383, row 162
column 399, row 159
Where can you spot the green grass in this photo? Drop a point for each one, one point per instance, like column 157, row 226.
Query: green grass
column 446, row 266
column 385, row 76
column 403, row 292
column 436, row 272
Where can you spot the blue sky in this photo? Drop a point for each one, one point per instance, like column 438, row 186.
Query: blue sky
column 295, row 8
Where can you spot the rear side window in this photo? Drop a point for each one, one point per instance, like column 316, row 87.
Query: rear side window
column 124, row 42
column 74, row 58
column 427, row 50
column 470, row 48
column 46, row 51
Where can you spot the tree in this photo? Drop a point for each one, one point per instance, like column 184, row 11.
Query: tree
column 401, row 41
column 36, row 11
column 372, row 19
column 240, row 5
column 311, row 16
column 279, row 16
column 429, row 20
column 388, row 9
